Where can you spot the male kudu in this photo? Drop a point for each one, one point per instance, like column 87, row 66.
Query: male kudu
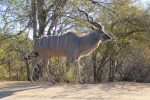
column 69, row 45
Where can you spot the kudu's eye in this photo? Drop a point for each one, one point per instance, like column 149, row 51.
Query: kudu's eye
column 100, row 28
column 92, row 27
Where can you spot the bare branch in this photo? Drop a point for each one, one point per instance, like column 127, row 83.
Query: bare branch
column 102, row 4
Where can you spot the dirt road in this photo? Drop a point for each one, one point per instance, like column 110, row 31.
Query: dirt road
column 46, row 91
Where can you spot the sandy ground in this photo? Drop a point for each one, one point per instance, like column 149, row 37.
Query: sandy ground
column 46, row 91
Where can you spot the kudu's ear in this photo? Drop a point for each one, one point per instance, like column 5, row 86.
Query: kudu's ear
column 94, row 28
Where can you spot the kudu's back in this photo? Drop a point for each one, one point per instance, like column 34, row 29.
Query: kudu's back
column 57, row 45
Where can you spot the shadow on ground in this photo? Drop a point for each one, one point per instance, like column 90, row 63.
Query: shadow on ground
column 9, row 88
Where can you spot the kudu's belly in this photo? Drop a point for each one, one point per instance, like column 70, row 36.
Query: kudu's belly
column 51, row 52
column 57, row 53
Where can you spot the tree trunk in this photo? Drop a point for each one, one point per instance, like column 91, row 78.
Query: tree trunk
column 28, row 71
column 42, row 16
column 34, row 21
column 9, row 70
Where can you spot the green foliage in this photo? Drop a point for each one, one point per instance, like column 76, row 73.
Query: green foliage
column 12, row 51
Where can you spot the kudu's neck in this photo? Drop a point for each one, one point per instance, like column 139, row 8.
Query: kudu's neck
column 89, row 42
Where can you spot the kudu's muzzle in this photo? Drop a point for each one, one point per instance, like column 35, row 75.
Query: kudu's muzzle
column 107, row 38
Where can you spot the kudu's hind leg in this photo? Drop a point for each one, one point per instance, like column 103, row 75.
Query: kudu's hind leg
column 35, row 62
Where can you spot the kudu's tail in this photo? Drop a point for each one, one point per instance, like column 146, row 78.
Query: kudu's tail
column 32, row 55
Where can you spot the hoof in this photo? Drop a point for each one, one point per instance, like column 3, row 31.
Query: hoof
column 31, row 80
column 53, row 82
column 81, row 82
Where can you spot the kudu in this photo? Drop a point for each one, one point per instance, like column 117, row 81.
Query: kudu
column 69, row 45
